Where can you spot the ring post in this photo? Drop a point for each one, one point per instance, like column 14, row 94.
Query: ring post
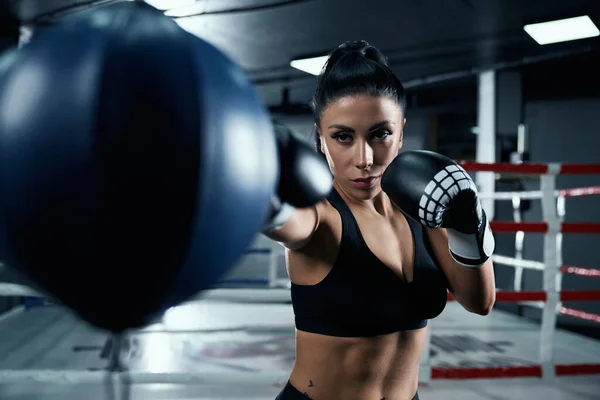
column 549, row 312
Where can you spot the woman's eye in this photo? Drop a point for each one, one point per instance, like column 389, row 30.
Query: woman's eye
column 342, row 137
column 382, row 134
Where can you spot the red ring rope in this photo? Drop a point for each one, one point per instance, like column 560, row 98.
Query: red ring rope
column 511, row 297
column 569, row 269
column 579, row 169
column 530, row 168
column 542, row 227
column 580, row 227
column 580, row 295
column 582, row 191
column 509, row 226
column 571, row 312
column 487, row 372
column 534, row 371
column 540, row 295
column 525, row 168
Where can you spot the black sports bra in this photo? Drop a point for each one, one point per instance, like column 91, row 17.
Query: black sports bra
column 361, row 296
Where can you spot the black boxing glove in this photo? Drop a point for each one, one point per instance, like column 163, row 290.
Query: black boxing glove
column 304, row 178
column 437, row 192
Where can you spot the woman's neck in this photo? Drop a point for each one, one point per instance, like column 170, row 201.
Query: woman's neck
column 378, row 203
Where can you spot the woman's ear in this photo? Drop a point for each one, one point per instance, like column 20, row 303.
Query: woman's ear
column 402, row 134
column 320, row 138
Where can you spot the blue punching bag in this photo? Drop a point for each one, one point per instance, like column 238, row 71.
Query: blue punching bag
column 137, row 164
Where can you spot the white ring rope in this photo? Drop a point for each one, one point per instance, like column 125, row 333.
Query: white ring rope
column 537, row 194
column 515, row 262
column 72, row 377
column 530, row 195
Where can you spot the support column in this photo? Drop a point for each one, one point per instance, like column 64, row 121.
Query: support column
column 486, row 138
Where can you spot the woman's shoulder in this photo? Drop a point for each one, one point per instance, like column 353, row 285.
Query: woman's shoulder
column 327, row 230
column 325, row 210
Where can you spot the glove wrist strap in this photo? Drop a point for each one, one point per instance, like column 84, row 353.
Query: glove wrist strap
column 472, row 250
column 279, row 214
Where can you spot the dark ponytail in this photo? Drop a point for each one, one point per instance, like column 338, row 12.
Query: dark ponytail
column 354, row 68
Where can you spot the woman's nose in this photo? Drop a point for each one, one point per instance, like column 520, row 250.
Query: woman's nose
column 364, row 156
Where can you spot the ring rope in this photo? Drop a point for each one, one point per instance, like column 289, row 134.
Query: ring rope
column 587, row 272
column 542, row 227
column 530, row 371
column 538, row 194
column 532, row 168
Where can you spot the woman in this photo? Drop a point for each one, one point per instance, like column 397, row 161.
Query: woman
column 365, row 278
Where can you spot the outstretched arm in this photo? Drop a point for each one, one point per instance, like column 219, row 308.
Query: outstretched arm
column 304, row 182
column 298, row 228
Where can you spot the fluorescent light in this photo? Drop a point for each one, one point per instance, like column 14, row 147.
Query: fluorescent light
column 562, row 30
column 312, row 66
column 169, row 4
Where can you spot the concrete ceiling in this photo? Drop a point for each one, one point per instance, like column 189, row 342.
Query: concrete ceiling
column 427, row 41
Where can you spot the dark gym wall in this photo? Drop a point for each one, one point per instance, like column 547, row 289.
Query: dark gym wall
column 9, row 27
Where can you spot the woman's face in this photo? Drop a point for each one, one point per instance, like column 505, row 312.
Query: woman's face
column 360, row 136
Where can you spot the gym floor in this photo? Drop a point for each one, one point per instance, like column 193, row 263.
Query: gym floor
column 245, row 351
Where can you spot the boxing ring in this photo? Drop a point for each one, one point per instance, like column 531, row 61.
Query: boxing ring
column 239, row 337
